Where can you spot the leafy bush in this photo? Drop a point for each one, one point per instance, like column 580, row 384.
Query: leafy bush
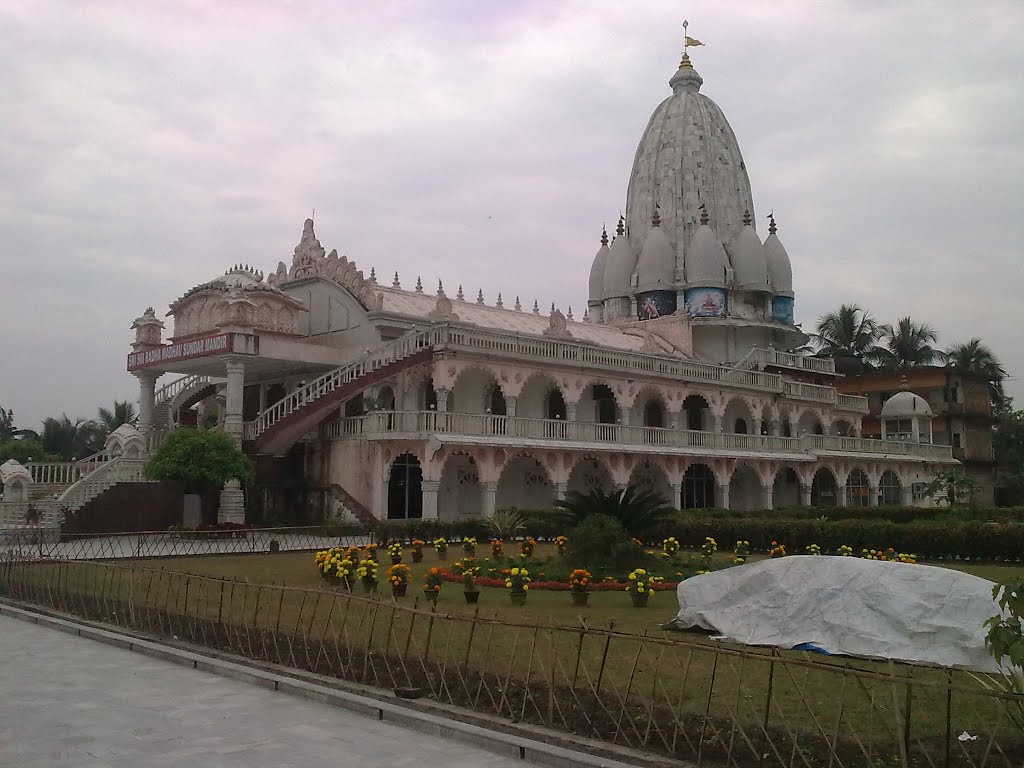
column 639, row 510
column 600, row 543
column 201, row 460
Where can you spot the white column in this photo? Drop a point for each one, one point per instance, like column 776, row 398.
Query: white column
column 490, row 498
column 570, row 411
column 722, row 502
column 767, row 496
column 263, row 398
column 757, row 426
column 510, row 405
column 805, row 494
column 430, row 498
column 840, row 494
column 673, row 419
column 442, row 400
column 560, row 490
column 677, row 495
column 872, row 495
column 147, row 399
column 907, row 493
column 233, row 400
column 775, row 427
column 624, row 416
column 716, row 422
column 915, row 432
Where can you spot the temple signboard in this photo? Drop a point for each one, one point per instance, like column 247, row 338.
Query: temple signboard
column 182, row 350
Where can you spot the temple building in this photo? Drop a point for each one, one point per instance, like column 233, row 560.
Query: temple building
column 360, row 396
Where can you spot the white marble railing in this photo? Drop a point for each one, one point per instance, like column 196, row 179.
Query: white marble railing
column 14, row 515
column 382, row 424
column 801, row 391
column 852, row 403
column 168, row 391
column 766, row 356
column 54, row 472
column 116, row 470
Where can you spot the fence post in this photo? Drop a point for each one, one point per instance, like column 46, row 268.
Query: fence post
column 767, row 708
column 949, row 716
column 600, row 671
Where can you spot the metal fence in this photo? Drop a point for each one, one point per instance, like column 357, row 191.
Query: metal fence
column 674, row 695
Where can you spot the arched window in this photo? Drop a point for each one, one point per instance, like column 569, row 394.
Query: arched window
column 554, row 404
column 694, row 407
column 496, row 401
column 740, row 427
column 405, row 488
column 654, row 414
column 889, row 489
column 858, row 491
column 604, row 401
column 698, row 487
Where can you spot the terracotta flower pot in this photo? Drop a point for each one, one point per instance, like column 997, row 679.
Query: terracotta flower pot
column 430, row 595
column 472, row 597
column 396, row 559
column 369, row 585
column 580, row 599
column 517, row 598
column 398, row 590
column 639, row 601
column 417, row 557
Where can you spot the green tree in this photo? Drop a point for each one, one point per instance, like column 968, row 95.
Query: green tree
column 905, row 345
column 1008, row 447
column 23, row 450
column 123, row 412
column 848, row 330
column 976, row 357
column 952, row 486
column 70, row 439
column 201, row 460
column 638, row 510
column 8, row 430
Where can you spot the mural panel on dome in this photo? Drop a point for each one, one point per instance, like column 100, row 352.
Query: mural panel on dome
column 652, row 304
column 705, row 302
column 782, row 310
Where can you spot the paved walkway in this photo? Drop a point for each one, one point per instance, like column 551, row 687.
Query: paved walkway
column 71, row 701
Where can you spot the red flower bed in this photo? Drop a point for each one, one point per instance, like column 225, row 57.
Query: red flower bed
column 561, row 586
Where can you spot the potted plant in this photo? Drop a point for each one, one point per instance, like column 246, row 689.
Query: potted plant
column 398, row 577
column 640, row 588
column 335, row 567
column 367, row 574
column 497, row 548
column 469, row 545
column 417, row 550
column 518, row 582
column 469, row 587
column 432, row 584
column 579, row 587
column 742, row 552
column 707, row 552
column 370, row 552
column 562, row 545
column 395, row 552
column 441, row 547
column 527, row 546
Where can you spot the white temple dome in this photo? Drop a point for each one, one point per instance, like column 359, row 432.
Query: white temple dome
column 905, row 405
column 618, row 270
column 705, row 259
column 597, row 270
column 656, row 268
column 780, row 270
column 688, row 156
column 748, row 262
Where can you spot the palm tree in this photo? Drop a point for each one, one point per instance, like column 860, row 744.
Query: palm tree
column 906, row 345
column 122, row 413
column 976, row 357
column 849, row 330
column 638, row 509
column 8, row 431
column 70, row 439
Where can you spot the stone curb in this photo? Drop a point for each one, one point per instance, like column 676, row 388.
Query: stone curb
column 510, row 741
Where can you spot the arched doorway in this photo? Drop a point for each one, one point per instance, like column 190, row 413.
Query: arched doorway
column 459, row 492
column 556, row 413
column 890, row 489
column 810, row 424
column 694, row 409
column 786, row 488
column 738, row 418
column 698, row 487
column 427, row 395
column 589, row 474
column 525, row 484
column 823, row 489
column 651, row 477
column 858, row 489
column 405, row 488
column 745, row 489
column 496, row 405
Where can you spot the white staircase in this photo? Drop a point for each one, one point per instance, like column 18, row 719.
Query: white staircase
column 108, row 474
column 167, row 395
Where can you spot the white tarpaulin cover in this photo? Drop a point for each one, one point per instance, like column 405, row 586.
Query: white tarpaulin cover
column 846, row 605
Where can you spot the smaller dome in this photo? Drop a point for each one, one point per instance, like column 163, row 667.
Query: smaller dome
column 705, row 258
column 748, row 261
column 905, row 405
column 618, row 271
column 780, row 270
column 656, row 269
column 597, row 270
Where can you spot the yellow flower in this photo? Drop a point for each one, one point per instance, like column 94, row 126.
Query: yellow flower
column 526, row 586
column 650, row 592
column 632, row 577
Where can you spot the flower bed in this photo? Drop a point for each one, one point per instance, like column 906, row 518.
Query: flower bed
column 558, row 586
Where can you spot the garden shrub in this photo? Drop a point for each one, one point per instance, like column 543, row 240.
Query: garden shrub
column 600, row 543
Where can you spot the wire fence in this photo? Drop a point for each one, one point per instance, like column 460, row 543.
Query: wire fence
column 670, row 694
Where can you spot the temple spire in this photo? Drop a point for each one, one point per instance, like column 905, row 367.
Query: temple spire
column 480, row 296
column 395, row 283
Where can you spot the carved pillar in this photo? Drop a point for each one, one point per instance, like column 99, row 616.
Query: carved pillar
column 147, row 399
column 232, row 503
column 560, row 490
column 717, row 422
column 233, row 399
column 857, row 426
column 840, row 494
column 624, row 416
column 511, row 402
column 757, row 424
column 775, row 427
column 767, row 496
column 673, row 419
column 490, row 498
column 907, row 494
column 723, row 496
column 872, row 495
column 805, row 494
column 430, row 495
column 570, row 411
column 263, row 398
column 442, row 400
column 677, row 495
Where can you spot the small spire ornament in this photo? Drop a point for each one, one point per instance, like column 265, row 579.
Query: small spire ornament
column 499, row 303
column 459, row 295
column 536, row 307
column 518, row 307
column 480, row 296
column 569, row 314
column 440, row 288
column 373, row 275
column 395, row 283
column 419, row 285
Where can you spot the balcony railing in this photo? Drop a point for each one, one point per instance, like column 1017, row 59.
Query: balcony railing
column 801, row 391
column 852, row 403
column 766, row 356
column 385, row 424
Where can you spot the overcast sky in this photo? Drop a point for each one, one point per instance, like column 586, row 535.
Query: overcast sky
column 146, row 147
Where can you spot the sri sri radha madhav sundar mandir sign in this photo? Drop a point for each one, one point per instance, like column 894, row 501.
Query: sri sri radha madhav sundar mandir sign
column 182, row 350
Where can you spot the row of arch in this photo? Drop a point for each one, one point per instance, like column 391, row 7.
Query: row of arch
column 476, row 392
column 525, row 483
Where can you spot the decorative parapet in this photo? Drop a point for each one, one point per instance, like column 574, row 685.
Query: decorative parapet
column 148, row 330
column 16, row 480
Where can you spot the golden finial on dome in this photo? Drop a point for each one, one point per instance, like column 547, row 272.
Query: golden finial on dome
column 688, row 42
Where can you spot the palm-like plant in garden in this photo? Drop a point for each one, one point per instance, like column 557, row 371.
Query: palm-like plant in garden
column 848, row 330
column 905, row 345
column 638, row 509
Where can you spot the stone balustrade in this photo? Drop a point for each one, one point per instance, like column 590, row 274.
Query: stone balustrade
column 418, row 424
column 54, row 472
